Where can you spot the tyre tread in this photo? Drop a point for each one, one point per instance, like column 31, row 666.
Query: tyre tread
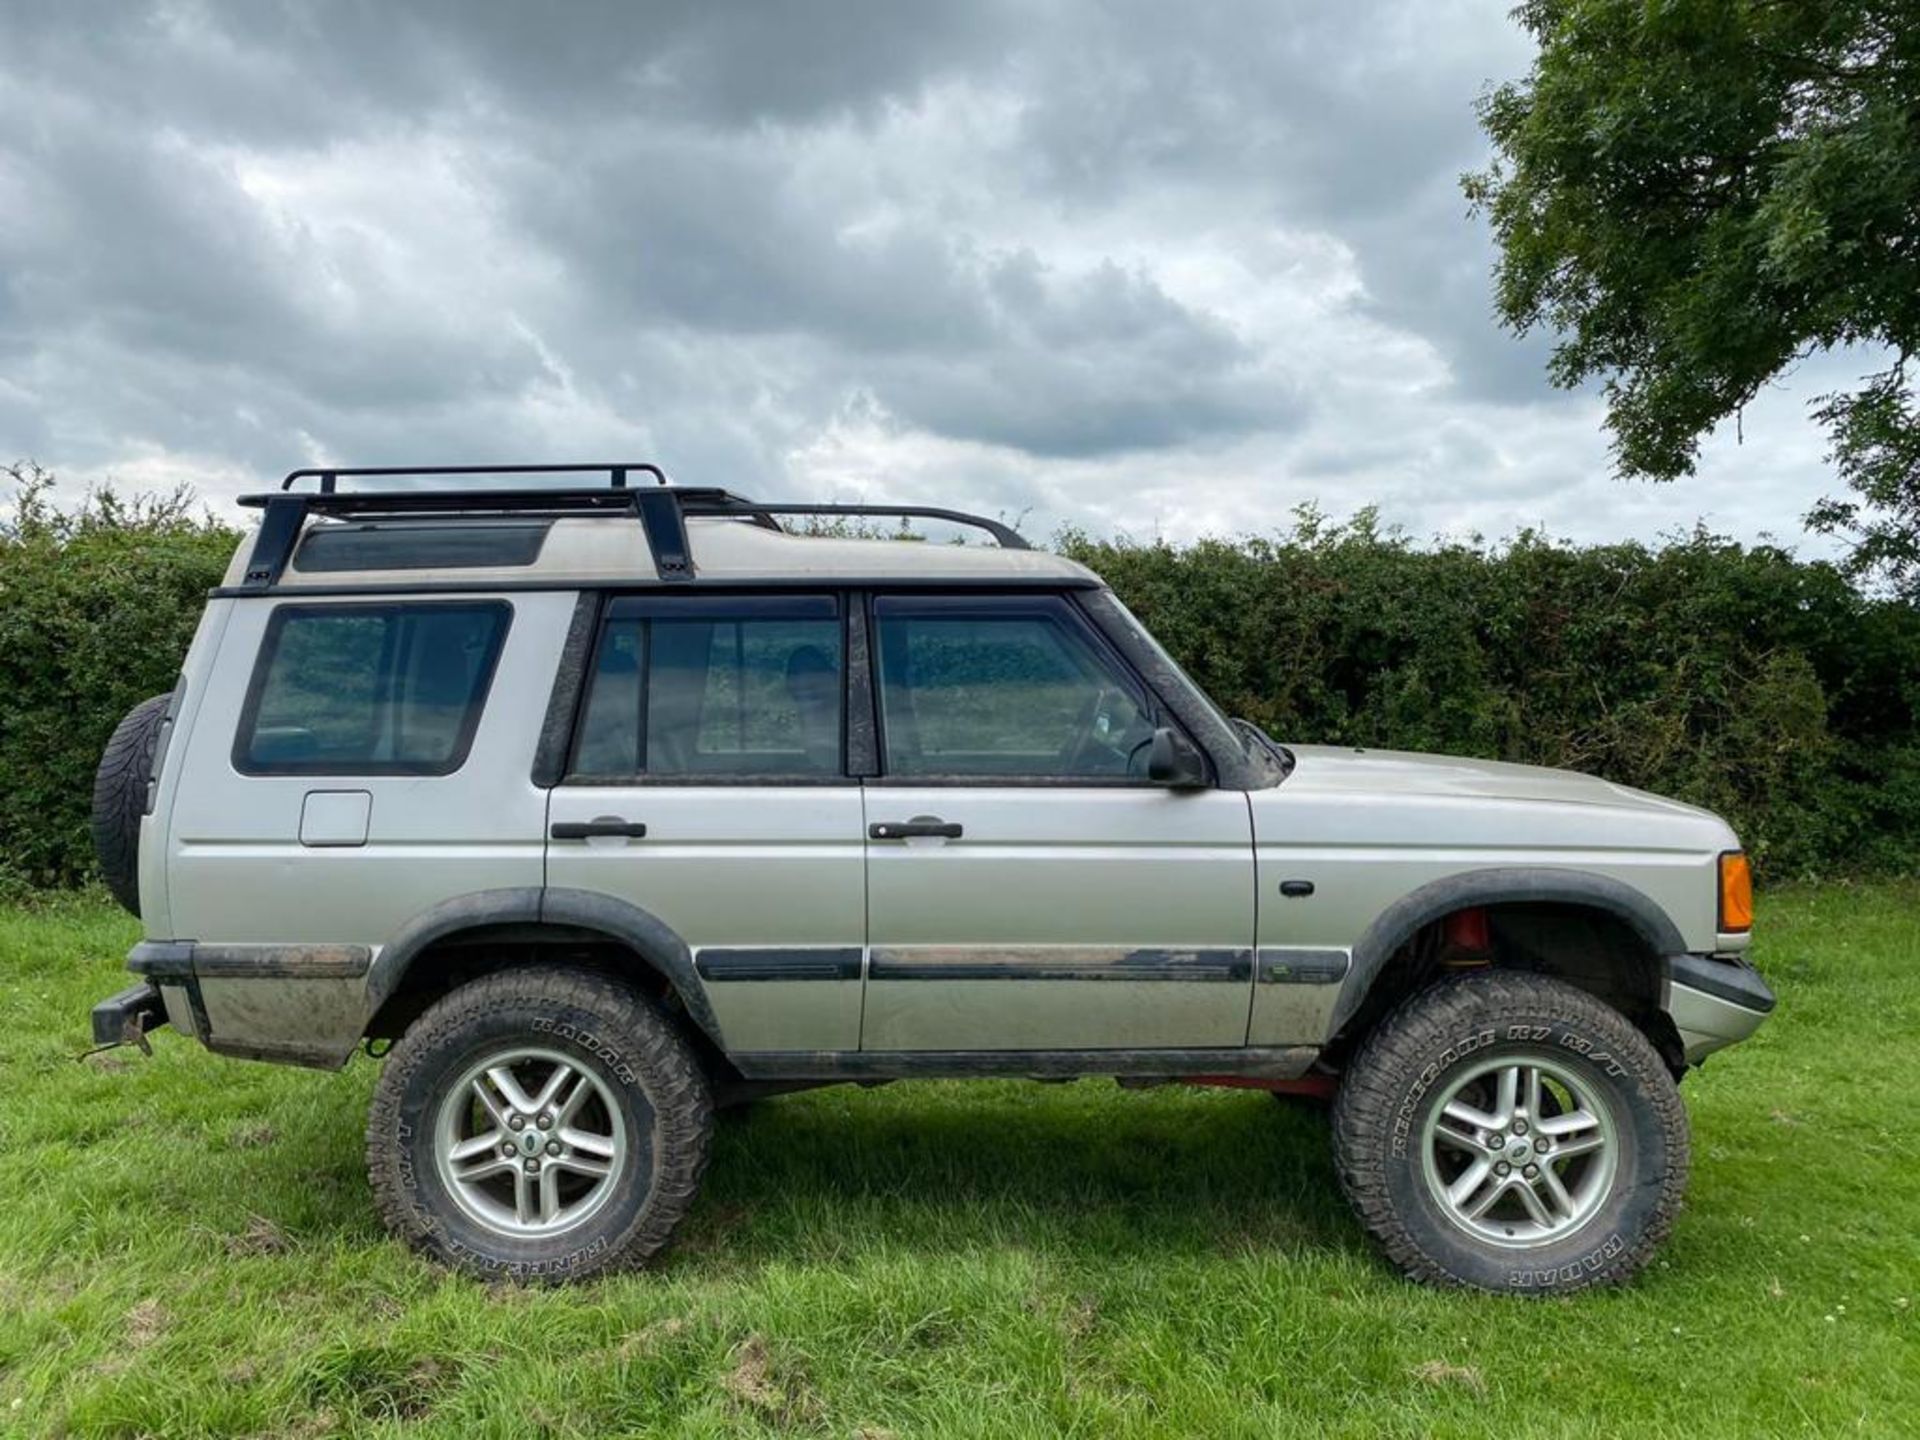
column 683, row 1093
column 120, row 797
column 1431, row 1018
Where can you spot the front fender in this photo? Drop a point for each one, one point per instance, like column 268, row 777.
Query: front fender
column 1503, row 885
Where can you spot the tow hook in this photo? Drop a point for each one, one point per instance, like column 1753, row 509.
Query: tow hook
column 125, row 1019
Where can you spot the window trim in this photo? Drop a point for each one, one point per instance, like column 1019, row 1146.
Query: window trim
column 1088, row 630
column 283, row 614
column 649, row 605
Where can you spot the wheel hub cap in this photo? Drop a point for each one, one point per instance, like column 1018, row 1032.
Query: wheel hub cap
column 530, row 1142
column 1520, row 1151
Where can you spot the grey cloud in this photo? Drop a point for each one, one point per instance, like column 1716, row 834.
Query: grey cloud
column 1081, row 259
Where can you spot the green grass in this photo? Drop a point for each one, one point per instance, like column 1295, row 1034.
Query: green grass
column 187, row 1248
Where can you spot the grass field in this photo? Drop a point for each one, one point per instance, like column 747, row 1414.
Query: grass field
column 187, row 1248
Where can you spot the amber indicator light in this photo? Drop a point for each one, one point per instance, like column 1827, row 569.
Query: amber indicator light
column 1736, row 892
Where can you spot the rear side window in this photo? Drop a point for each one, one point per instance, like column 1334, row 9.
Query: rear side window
column 725, row 687
column 369, row 689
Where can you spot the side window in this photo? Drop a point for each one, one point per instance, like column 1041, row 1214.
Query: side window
column 746, row 687
column 1004, row 686
column 369, row 689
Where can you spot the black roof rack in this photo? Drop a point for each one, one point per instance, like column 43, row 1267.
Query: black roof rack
column 616, row 473
column 661, row 508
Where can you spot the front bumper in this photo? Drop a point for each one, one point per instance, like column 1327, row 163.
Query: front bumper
column 1714, row 1001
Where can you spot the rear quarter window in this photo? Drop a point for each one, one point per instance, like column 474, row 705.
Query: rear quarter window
column 351, row 689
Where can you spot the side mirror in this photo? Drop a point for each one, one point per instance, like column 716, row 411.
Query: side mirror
column 1172, row 761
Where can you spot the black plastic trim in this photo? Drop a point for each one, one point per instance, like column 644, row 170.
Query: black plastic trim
column 1498, row 886
column 162, row 959
column 591, row 829
column 273, row 546
column 1733, row 981
column 170, row 962
column 163, row 744
column 919, row 828
column 1281, row 966
column 569, row 683
column 861, row 751
column 1267, row 1064
column 520, row 904
column 281, row 962
column 771, row 963
column 649, row 937
column 661, row 518
column 1186, row 966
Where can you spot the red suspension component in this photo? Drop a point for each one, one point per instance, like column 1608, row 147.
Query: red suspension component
column 1469, row 939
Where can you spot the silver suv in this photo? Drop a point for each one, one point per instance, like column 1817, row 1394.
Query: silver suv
column 605, row 803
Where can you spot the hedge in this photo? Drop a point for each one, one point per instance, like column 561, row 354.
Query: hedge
column 1737, row 677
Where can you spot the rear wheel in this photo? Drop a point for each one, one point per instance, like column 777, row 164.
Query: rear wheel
column 539, row 1124
column 1512, row 1133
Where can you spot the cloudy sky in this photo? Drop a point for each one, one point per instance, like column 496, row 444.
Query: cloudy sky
column 1145, row 268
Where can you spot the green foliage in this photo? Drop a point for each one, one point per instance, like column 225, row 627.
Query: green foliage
column 1698, row 193
column 97, row 605
column 1763, row 687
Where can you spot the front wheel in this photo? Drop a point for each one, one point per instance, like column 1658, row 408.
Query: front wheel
column 1512, row 1133
column 539, row 1124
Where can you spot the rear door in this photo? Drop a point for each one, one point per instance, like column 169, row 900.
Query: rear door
column 707, row 784
column 1028, row 887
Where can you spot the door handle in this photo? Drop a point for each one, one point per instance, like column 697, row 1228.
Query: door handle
column 910, row 829
column 582, row 829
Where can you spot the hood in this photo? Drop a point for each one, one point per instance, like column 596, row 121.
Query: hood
column 1402, row 773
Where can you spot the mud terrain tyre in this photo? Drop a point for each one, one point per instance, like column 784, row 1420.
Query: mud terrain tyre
column 120, row 797
column 1514, row 1134
column 543, row 1124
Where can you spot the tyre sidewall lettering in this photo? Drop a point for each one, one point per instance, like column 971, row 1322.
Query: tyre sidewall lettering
column 1582, row 1255
column 433, row 1213
column 1409, row 1109
column 1412, row 1059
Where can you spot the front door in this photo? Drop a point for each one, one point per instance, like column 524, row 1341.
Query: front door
column 1027, row 887
column 707, row 785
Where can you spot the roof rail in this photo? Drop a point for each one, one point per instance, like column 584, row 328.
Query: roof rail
column 709, row 502
column 661, row 508
column 616, row 473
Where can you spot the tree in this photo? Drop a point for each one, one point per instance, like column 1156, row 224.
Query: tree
column 1697, row 194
